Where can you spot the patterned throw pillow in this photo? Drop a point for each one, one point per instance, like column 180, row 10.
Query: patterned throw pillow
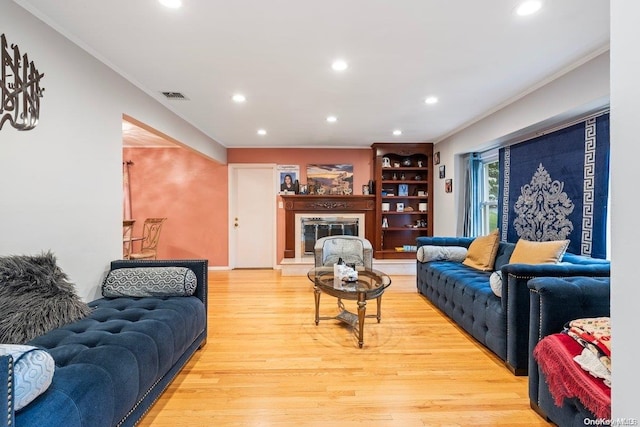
column 149, row 281
column 495, row 280
column 32, row 372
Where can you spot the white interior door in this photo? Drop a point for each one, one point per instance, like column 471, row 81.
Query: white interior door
column 252, row 207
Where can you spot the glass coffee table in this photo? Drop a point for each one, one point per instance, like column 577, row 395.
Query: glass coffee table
column 370, row 284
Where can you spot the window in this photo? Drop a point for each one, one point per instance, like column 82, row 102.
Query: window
column 481, row 195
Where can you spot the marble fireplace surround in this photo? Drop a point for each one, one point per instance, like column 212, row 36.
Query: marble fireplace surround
column 295, row 205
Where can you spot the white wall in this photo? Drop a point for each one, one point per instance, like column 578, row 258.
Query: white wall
column 582, row 89
column 625, row 152
column 61, row 183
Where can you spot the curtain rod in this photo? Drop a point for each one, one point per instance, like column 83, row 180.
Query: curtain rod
column 537, row 134
column 571, row 123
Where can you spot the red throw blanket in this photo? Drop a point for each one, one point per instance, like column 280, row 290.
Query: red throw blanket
column 566, row 378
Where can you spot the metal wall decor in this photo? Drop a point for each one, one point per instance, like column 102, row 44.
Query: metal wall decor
column 20, row 90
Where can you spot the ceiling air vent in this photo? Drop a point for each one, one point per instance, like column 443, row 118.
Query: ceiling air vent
column 175, row 96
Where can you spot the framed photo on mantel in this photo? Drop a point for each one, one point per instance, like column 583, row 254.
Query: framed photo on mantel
column 288, row 179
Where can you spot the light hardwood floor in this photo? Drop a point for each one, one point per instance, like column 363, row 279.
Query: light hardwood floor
column 267, row 364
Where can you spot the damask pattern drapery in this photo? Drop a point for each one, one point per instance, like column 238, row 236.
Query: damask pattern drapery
column 556, row 187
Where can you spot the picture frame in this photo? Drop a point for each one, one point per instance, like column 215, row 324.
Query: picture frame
column 436, row 158
column 330, row 179
column 403, row 190
column 448, row 185
column 441, row 172
column 399, row 207
column 288, row 179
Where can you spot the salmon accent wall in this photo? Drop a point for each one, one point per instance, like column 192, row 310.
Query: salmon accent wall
column 191, row 191
column 361, row 159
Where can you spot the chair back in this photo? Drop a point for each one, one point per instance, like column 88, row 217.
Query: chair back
column 352, row 249
column 127, row 229
column 151, row 233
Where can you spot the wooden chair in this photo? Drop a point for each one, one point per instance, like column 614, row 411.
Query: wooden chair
column 150, row 238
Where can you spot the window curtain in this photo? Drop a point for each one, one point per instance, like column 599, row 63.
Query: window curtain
column 556, row 187
column 472, row 195
column 126, row 190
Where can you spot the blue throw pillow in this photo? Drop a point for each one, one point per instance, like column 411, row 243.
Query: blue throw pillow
column 32, row 372
column 149, row 281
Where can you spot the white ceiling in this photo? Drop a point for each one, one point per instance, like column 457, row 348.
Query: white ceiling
column 475, row 56
column 134, row 136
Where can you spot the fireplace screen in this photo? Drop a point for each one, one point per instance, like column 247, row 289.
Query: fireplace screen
column 316, row 228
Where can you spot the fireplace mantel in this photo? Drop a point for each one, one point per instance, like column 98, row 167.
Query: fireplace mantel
column 294, row 204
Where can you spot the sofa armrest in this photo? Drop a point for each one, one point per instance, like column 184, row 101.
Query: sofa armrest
column 443, row 241
column 515, row 302
column 554, row 302
column 7, row 416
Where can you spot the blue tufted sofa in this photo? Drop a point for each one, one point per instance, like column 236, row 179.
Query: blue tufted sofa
column 501, row 324
column 554, row 302
column 112, row 365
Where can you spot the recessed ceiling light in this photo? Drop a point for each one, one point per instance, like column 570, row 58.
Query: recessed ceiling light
column 431, row 100
column 528, row 7
column 397, row 132
column 339, row 65
column 172, row 4
column 238, row 97
column 262, row 132
column 332, row 119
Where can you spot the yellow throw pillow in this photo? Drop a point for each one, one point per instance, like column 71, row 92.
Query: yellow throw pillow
column 481, row 254
column 527, row 252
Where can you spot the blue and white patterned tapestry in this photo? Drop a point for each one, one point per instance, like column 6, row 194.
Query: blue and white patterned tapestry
column 556, row 187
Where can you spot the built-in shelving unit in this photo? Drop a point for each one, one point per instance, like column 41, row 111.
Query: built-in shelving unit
column 403, row 189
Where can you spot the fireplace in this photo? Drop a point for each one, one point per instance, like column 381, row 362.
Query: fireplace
column 331, row 214
column 311, row 227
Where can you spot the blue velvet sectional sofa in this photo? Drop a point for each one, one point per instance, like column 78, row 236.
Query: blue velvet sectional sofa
column 500, row 323
column 111, row 366
column 554, row 302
